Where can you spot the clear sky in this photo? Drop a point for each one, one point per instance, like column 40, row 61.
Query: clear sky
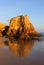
column 33, row 8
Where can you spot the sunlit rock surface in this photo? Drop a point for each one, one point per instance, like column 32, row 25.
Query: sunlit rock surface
column 2, row 27
column 20, row 27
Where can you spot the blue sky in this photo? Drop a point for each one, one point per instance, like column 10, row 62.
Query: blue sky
column 33, row 8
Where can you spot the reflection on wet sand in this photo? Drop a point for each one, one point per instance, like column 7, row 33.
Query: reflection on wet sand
column 18, row 48
column 21, row 48
column 1, row 44
column 20, row 52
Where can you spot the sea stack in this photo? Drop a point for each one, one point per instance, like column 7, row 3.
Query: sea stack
column 20, row 27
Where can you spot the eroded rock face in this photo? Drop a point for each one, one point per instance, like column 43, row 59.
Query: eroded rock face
column 20, row 26
column 2, row 27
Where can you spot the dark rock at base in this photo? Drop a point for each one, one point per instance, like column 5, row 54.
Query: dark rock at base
column 4, row 33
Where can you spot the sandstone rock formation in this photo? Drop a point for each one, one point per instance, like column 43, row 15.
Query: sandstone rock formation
column 4, row 32
column 2, row 27
column 20, row 26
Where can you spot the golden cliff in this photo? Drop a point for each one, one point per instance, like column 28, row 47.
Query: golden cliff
column 2, row 27
column 20, row 27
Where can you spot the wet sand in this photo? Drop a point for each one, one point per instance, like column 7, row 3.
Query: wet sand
column 21, row 52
